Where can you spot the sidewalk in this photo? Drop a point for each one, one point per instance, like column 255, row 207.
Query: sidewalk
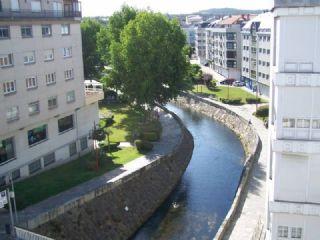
column 253, row 206
column 171, row 134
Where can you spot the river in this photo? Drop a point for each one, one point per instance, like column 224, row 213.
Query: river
column 203, row 197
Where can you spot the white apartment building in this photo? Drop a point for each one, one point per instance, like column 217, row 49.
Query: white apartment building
column 46, row 112
column 256, row 55
column 193, row 19
column 200, row 42
column 223, row 46
column 190, row 32
column 294, row 161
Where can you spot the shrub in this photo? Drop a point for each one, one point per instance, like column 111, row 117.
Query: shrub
column 212, row 85
column 150, row 136
column 143, row 146
column 232, row 101
column 252, row 100
column 262, row 111
column 113, row 146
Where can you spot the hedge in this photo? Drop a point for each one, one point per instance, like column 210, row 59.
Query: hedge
column 252, row 100
column 233, row 101
column 263, row 111
column 143, row 146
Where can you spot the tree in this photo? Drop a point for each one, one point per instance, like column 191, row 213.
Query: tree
column 148, row 61
column 91, row 58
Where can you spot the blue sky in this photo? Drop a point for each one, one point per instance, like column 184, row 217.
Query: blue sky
column 107, row 7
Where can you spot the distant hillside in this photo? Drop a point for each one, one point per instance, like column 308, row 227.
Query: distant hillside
column 227, row 11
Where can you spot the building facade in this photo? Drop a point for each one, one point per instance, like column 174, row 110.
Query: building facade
column 190, row 32
column 256, row 55
column 46, row 113
column 223, row 46
column 201, row 42
column 294, row 166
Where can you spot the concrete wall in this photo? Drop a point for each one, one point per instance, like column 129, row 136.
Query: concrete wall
column 101, row 214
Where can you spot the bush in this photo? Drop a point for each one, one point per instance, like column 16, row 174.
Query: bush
column 143, row 146
column 262, row 111
column 252, row 100
column 212, row 85
column 150, row 136
column 231, row 101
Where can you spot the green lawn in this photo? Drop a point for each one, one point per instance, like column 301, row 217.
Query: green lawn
column 224, row 92
column 62, row 178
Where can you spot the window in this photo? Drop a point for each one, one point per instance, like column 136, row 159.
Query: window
column 52, row 102
column 49, row 159
column 67, row 52
column 37, row 135
column 65, row 29
column 12, row 114
column 282, row 231
column 48, row 55
column 288, row 123
column 35, row 166
column 29, row 57
column 84, row 143
column 34, row 108
column 264, row 50
column 6, row 60
column 31, row 82
column 71, row 97
column 316, row 124
column 9, row 87
column 65, row 124
column 231, row 36
column 46, row 30
column 268, row 51
column 7, row 150
column 16, row 174
column 68, row 74
column 26, row 31
column 4, row 32
column 296, row 232
column 73, row 149
column 35, row 6
column 303, row 123
column 50, row 78
column 267, row 76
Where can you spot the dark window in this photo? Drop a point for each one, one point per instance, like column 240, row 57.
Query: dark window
column 49, row 159
column 4, row 32
column 84, row 143
column 231, row 36
column 16, row 174
column 73, row 149
column 231, row 54
column 35, row 166
column 46, row 30
column 231, row 45
column 7, row 151
column 231, row 63
column 26, row 31
column 65, row 123
column 37, row 135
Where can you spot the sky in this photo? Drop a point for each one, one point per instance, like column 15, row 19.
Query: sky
column 107, row 7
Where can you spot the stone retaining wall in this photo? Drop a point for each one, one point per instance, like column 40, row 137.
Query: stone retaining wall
column 117, row 210
column 248, row 137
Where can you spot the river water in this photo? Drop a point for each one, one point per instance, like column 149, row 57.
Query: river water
column 203, row 197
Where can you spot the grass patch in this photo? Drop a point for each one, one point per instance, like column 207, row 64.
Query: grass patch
column 62, row 178
column 223, row 92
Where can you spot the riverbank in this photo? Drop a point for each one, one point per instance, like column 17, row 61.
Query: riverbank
column 250, row 140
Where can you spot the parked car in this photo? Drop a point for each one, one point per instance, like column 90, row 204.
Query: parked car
column 228, row 81
column 238, row 84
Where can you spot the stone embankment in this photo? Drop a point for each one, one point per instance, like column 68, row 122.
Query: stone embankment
column 118, row 208
column 247, row 135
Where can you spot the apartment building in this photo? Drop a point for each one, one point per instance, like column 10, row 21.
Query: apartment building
column 223, row 45
column 200, row 41
column 190, row 32
column 294, row 166
column 46, row 113
column 256, row 55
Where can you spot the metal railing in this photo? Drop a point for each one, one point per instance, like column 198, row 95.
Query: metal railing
column 23, row 234
column 28, row 13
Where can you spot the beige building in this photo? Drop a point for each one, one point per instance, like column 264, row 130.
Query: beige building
column 46, row 112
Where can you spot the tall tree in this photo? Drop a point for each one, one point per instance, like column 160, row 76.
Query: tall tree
column 91, row 58
column 149, row 61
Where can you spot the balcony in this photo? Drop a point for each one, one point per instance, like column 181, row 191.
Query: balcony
column 70, row 11
column 93, row 91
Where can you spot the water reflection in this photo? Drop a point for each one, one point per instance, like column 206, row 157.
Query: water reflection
column 201, row 200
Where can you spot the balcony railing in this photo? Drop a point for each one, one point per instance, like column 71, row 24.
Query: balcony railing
column 69, row 12
column 93, row 95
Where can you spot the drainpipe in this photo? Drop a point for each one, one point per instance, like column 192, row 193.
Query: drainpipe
column 77, row 131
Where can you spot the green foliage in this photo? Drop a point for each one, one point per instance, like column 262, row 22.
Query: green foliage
column 143, row 146
column 91, row 58
column 194, row 73
column 148, row 63
column 150, row 136
column 212, row 85
column 231, row 101
column 103, row 44
column 252, row 100
column 262, row 111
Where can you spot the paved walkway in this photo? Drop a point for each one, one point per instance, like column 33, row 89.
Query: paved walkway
column 171, row 134
column 253, row 206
